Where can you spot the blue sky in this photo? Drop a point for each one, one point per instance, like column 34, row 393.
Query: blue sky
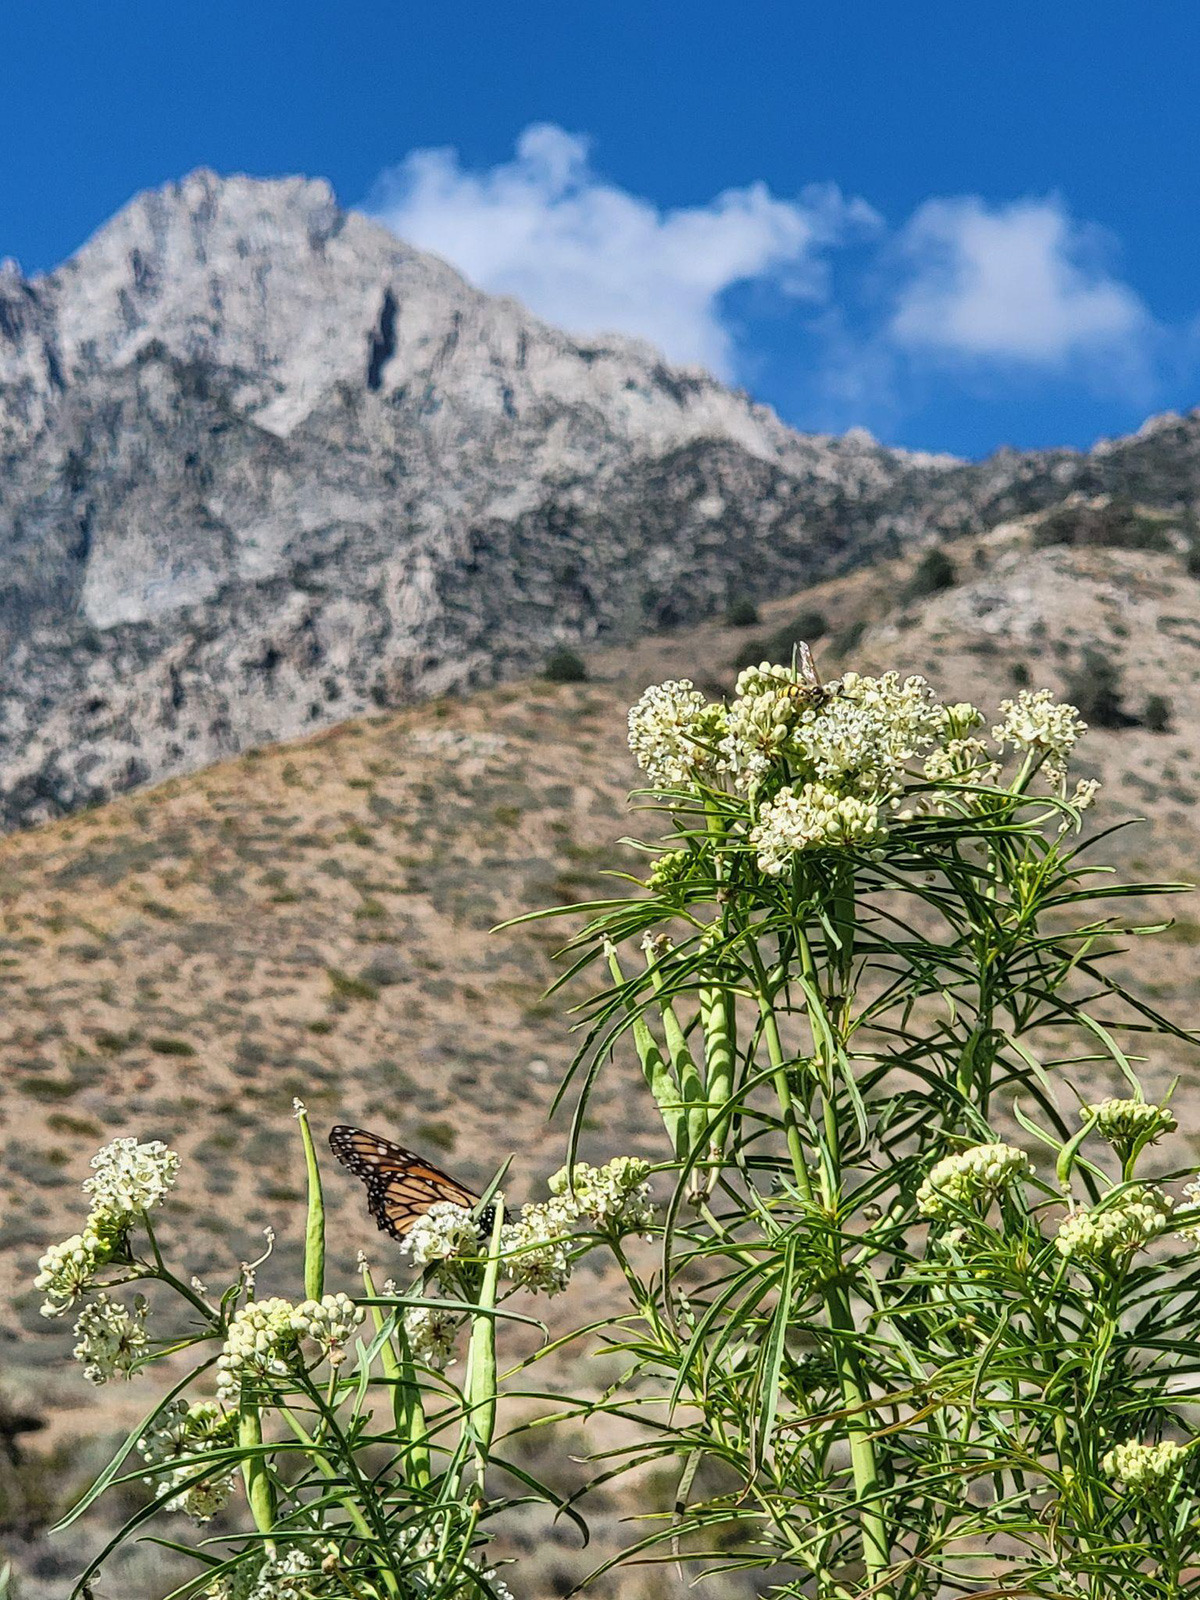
column 959, row 226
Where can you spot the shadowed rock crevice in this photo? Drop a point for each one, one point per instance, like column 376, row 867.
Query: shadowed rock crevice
column 383, row 341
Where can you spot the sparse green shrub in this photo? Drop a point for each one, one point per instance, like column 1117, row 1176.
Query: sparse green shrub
column 563, row 665
column 1157, row 715
column 741, row 612
column 934, row 572
column 1095, row 689
column 346, row 987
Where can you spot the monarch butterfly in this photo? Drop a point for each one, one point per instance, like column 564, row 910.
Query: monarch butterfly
column 401, row 1186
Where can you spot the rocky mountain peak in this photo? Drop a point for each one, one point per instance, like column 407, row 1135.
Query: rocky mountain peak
column 263, row 465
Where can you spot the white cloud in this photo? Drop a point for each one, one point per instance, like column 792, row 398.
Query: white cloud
column 1012, row 284
column 593, row 258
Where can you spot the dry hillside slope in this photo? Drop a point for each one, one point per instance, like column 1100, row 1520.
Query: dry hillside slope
column 313, row 918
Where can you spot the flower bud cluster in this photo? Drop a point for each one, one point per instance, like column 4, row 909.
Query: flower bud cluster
column 110, row 1338
column 759, row 725
column 1144, row 1468
column 330, row 1323
column 1126, row 1122
column 261, row 1338
column 1108, row 1234
column 67, row 1270
column 183, row 1430
column 671, row 868
column 799, row 819
column 970, row 1179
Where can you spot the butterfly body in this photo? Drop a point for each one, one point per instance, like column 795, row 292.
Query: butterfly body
column 401, row 1185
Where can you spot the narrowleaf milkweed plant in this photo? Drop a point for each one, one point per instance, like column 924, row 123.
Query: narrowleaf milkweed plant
column 360, row 1466
column 887, row 1351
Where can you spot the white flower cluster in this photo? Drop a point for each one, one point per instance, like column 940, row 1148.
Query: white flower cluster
column 445, row 1232
column 67, row 1270
column 535, row 1246
column 110, row 1338
column 615, row 1195
column 843, row 752
column 431, row 1332
column 617, row 1192
column 862, row 737
column 261, row 1337
column 183, row 1430
column 330, row 1323
column 1107, row 1234
column 971, row 1178
column 759, row 724
column 671, row 731
column 294, row 1575
column 1124, row 1122
column 130, row 1178
column 1036, row 721
column 961, row 761
column 1144, row 1468
column 799, row 819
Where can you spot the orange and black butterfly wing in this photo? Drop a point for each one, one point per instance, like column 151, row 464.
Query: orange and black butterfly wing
column 401, row 1186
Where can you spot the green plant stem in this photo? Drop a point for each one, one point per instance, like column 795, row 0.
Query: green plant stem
column 863, row 1460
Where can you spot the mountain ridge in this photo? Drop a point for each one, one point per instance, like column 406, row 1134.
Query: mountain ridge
column 263, row 466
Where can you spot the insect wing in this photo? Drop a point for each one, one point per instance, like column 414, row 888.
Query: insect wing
column 401, row 1185
column 807, row 667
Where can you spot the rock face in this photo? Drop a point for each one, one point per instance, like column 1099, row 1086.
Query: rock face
column 263, row 466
